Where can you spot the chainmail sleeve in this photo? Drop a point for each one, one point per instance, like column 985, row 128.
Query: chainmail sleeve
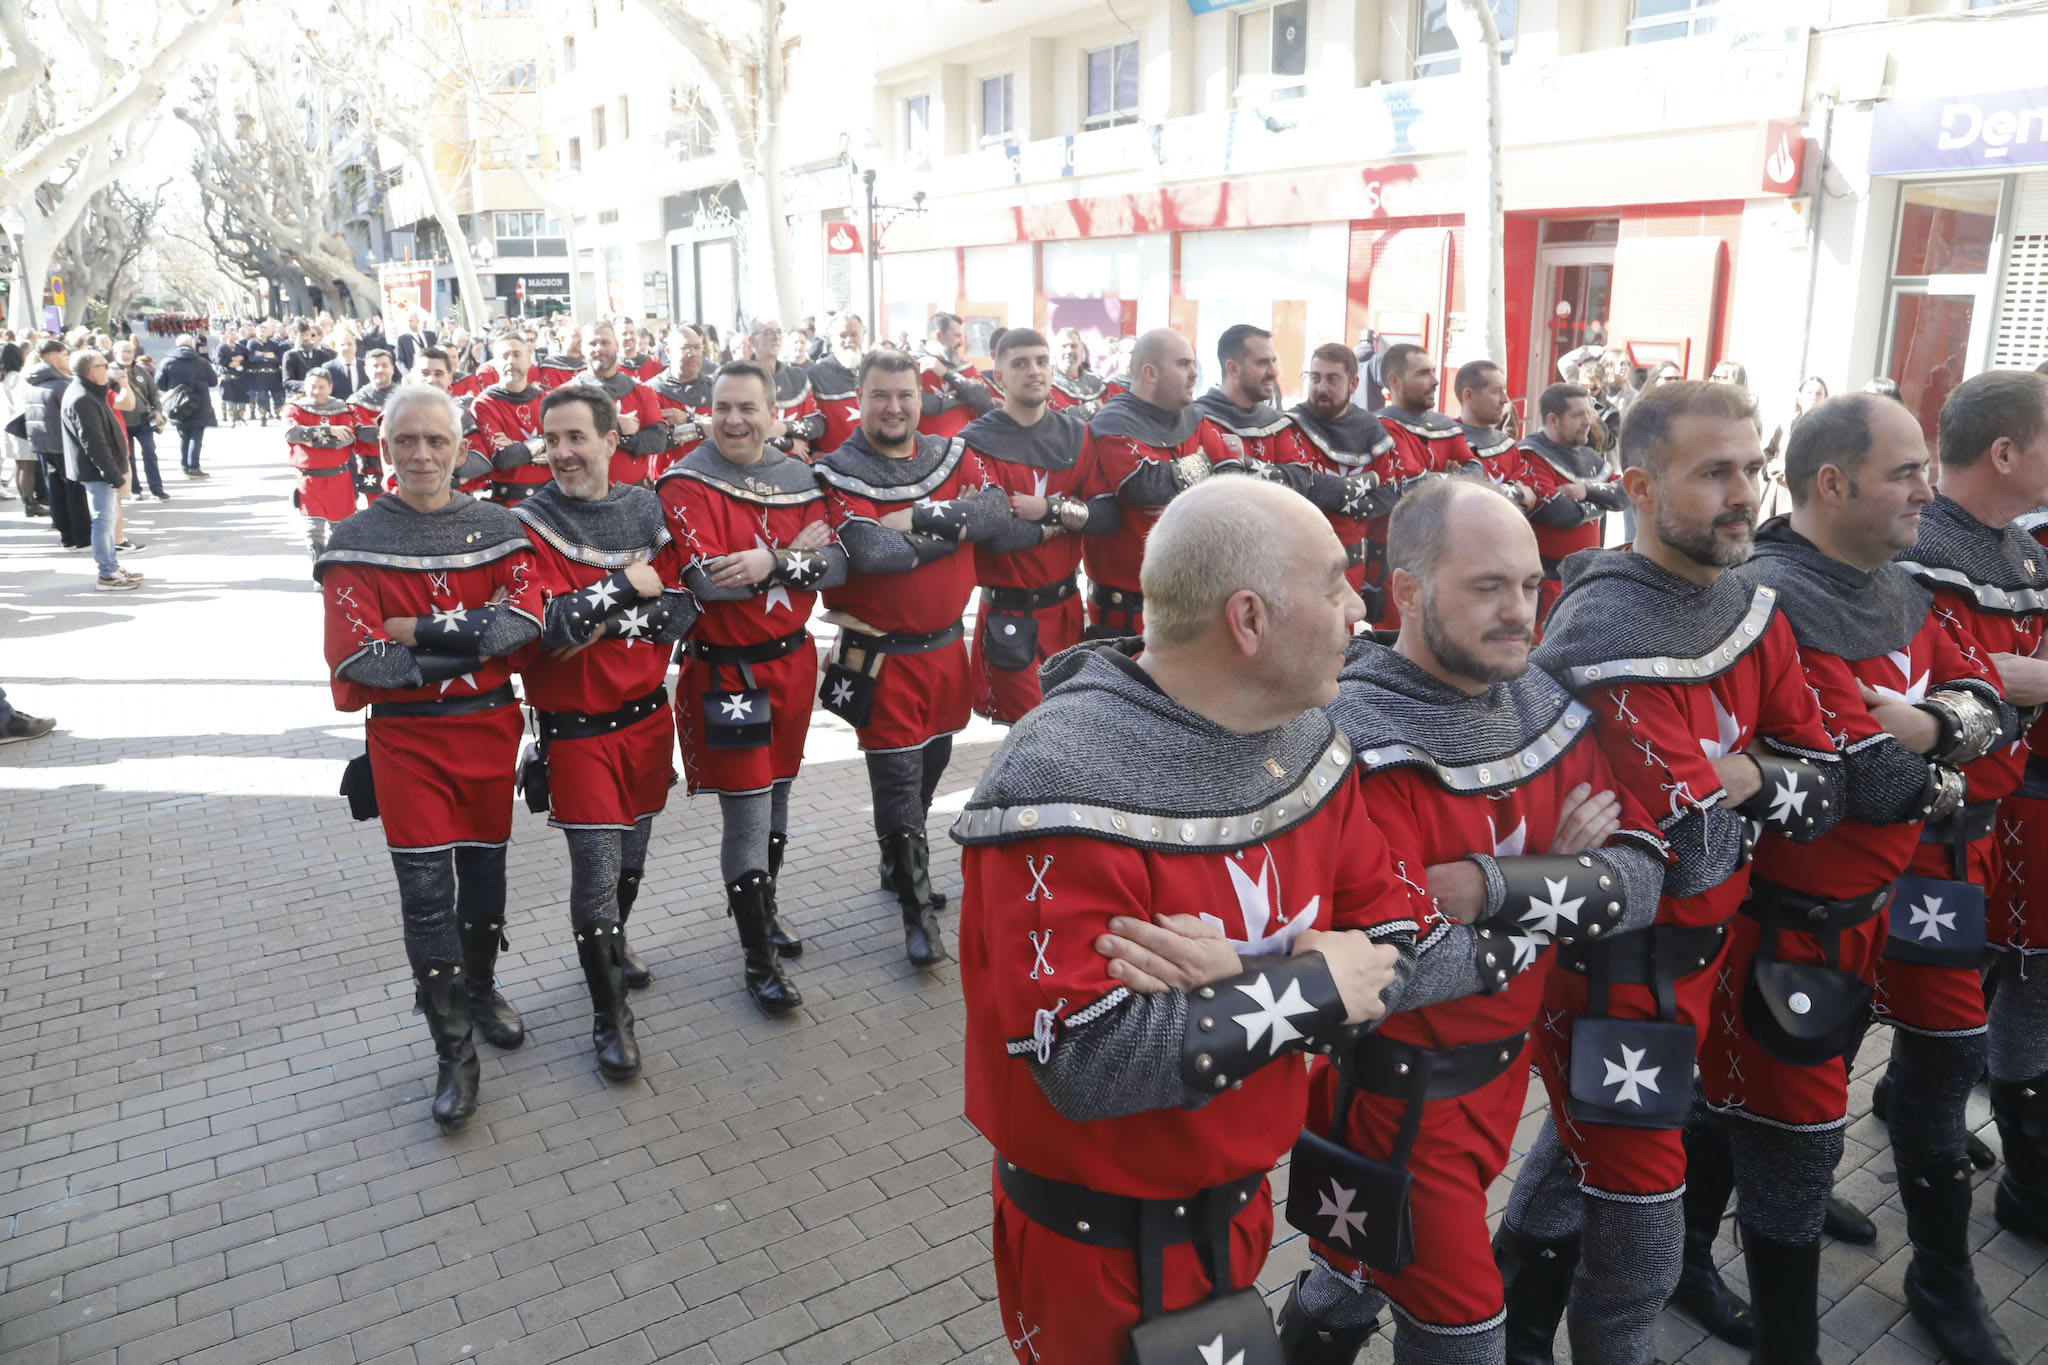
column 1105, row 515
column 1707, row 845
column 1151, row 484
column 1124, row 1061
column 991, row 523
column 697, row 579
column 651, row 439
column 974, row 395
column 562, row 625
column 1443, row 966
column 679, row 611
column 513, row 456
column 1562, row 513
column 1888, row 783
column 393, row 666
column 504, row 631
column 871, row 548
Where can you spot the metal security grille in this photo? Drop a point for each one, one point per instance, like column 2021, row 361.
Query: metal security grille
column 2022, row 341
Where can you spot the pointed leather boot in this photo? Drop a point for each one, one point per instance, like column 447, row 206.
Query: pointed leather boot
column 1784, row 1289
column 611, row 1029
column 1304, row 1341
column 494, row 1018
column 1844, row 1222
column 2021, row 1108
column 1941, row 1289
column 1709, row 1181
column 786, row 943
column 750, row 899
column 906, row 855
column 1536, row 1279
column 637, row 975
column 887, row 872
column 444, row 1000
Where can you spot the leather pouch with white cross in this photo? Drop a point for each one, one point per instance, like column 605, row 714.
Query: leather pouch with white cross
column 1630, row 1073
column 1939, row 923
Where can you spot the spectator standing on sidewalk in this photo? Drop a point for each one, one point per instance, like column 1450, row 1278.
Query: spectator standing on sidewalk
column 46, row 383
column 96, row 457
column 192, row 411
column 142, row 419
column 28, row 471
column 16, row 726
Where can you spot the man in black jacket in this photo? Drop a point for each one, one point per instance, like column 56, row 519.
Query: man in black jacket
column 96, row 457
column 188, row 368
column 346, row 369
column 303, row 358
column 46, row 384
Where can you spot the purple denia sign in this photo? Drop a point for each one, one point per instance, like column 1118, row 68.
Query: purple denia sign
column 1961, row 133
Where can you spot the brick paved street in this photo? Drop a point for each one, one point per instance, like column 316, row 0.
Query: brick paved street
column 214, row 1141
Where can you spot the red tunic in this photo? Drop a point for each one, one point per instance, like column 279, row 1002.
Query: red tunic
column 710, row 517
column 918, row 697
column 692, row 398
column 955, row 418
column 325, row 488
column 641, row 367
column 1322, row 449
column 550, row 376
column 516, row 418
column 1112, row 561
column 369, row 423
column 1554, row 543
column 2021, row 901
column 607, row 781
column 838, row 402
column 1432, row 442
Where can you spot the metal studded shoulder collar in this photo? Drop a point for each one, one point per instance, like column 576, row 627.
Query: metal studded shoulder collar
column 1381, row 440
column 706, row 466
column 1430, row 426
column 1509, row 770
column 1664, row 668
column 423, row 563
column 1161, row 833
column 847, row 482
column 1999, row 601
column 588, row 554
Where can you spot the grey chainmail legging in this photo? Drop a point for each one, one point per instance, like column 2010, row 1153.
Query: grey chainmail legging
column 596, row 858
column 435, row 888
column 904, row 781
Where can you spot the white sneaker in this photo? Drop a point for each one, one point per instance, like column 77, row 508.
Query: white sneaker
column 120, row 582
column 131, row 574
column 129, row 547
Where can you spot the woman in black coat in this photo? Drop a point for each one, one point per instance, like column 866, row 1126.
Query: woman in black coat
column 189, row 369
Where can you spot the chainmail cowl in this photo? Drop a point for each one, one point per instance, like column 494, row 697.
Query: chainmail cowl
column 1580, row 463
column 773, row 473
column 1105, row 735
column 626, row 518
column 1053, row 442
column 1621, row 605
column 1416, row 421
column 1384, row 699
column 1126, row 414
column 861, row 463
column 2005, row 559
column 1355, row 437
column 685, row 393
column 830, row 379
column 1256, row 420
column 1835, row 607
column 389, row 527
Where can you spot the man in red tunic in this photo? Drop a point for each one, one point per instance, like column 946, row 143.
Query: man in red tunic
column 1344, row 441
column 320, row 434
column 367, row 403
column 1430, row 439
column 1485, row 779
column 508, row 415
column 1482, row 390
column 1074, row 385
column 1703, row 711
column 955, row 393
column 432, row 365
column 1886, row 669
column 1990, row 579
column 905, row 506
column 642, row 434
column 1030, row 602
column 751, row 521
column 833, row 386
column 1570, row 486
column 635, row 358
column 426, row 594
column 610, row 578
column 1151, row 444
column 1241, row 403
column 1154, row 922
column 683, row 392
column 798, row 420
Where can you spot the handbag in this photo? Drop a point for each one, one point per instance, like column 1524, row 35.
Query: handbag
column 1803, row 1013
column 182, row 403
column 1630, row 1073
column 736, row 719
column 1010, row 644
column 849, row 693
column 1239, row 1321
column 1348, row 1200
column 1940, row 923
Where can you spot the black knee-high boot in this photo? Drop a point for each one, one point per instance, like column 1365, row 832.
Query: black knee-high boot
column 2021, row 1108
column 908, row 858
column 1709, row 1182
column 444, row 1000
column 1536, row 1281
column 749, row 900
column 637, row 975
column 786, row 943
column 492, row 1014
column 1941, row 1287
column 598, row 949
column 1784, row 1291
column 1305, row 1341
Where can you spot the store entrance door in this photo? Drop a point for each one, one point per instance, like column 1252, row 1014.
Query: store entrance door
column 1575, row 283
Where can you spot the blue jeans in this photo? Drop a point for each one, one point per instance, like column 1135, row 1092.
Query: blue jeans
column 101, row 495
column 188, row 446
column 142, row 458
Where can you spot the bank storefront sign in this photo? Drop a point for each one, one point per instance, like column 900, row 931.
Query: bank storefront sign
column 1961, row 133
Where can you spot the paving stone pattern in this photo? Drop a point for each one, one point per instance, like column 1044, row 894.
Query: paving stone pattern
column 214, row 1140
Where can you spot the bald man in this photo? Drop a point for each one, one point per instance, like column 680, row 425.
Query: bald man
column 1152, row 444
column 642, row 433
column 1482, row 775
column 1152, row 925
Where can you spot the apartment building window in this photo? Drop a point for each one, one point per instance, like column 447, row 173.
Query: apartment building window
column 607, row 215
column 1657, row 21
column 917, row 127
column 508, row 6
column 1110, row 77
column 518, row 76
column 625, row 121
column 568, row 56
column 597, row 128
column 1436, row 47
column 998, row 109
column 1272, row 52
column 575, row 154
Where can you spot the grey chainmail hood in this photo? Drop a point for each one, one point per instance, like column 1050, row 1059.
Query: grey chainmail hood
column 618, row 384
column 1580, row 463
column 1835, row 607
column 830, row 379
column 1126, row 414
column 1052, row 442
column 1257, row 420
column 1388, row 707
column 373, row 399
column 1618, row 604
column 1107, row 739
column 859, row 467
column 626, row 519
column 2002, row 568
column 389, row 530
column 774, row 473
column 1354, row 437
column 692, row 393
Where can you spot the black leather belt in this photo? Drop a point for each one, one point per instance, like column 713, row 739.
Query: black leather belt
column 1124, row 600
column 501, row 695
column 1385, row 1067
column 509, row 493
column 1119, row 1220
column 903, row 644
column 556, row 725
column 731, row 656
column 1781, row 907
column 1678, row 950
column 325, row 473
column 1355, row 553
column 1024, row 601
column 1968, row 823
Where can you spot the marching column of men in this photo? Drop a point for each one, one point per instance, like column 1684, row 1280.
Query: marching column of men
column 1756, row 787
